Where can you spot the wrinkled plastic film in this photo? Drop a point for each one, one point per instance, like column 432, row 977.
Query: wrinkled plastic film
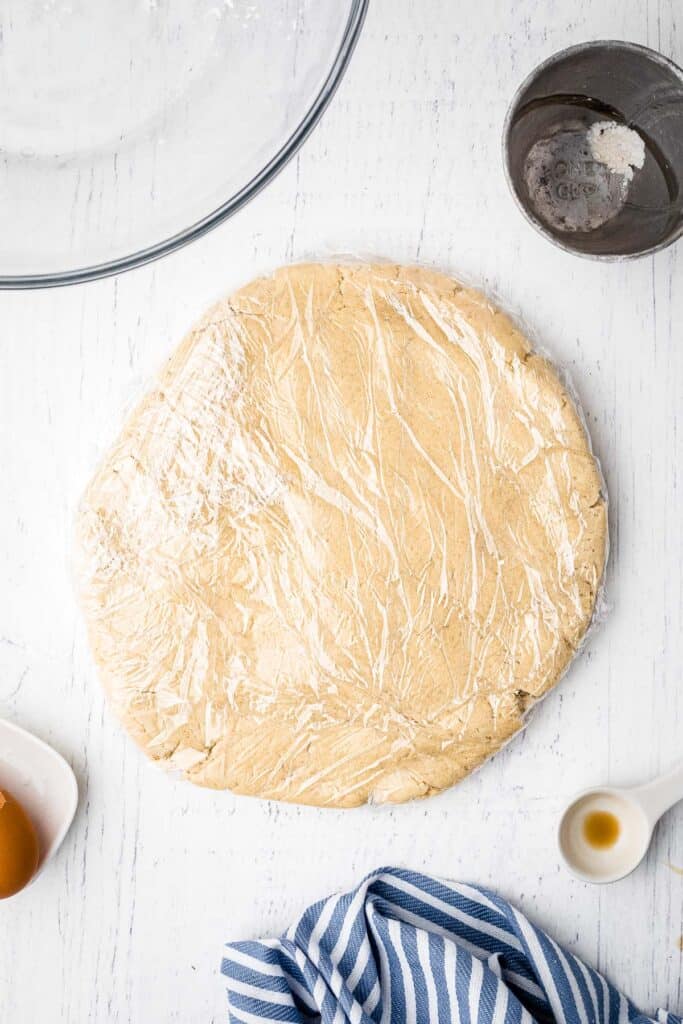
column 353, row 533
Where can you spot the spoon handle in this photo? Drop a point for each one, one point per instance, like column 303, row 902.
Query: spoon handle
column 661, row 793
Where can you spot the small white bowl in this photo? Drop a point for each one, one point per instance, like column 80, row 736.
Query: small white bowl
column 42, row 781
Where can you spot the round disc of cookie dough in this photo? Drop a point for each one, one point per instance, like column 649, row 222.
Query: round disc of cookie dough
column 354, row 531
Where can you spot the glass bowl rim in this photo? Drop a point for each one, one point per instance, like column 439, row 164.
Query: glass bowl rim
column 235, row 202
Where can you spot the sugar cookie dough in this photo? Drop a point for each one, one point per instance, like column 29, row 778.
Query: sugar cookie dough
column 352, row 533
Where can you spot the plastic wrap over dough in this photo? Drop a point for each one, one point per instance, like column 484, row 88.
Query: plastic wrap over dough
column 354, row 530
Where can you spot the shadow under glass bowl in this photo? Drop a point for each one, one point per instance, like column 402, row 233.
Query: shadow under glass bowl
column 130, row 127
column 586, row 105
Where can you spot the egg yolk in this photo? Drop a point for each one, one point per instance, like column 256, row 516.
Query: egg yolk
column 18, row 846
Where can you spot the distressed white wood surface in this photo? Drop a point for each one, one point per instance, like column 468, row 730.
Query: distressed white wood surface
column 127, row 924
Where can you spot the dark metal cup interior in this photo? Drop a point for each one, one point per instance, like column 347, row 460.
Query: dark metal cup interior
column 581, row 204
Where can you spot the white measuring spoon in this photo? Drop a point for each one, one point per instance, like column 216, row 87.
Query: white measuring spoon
column 42, row 781
column 636, row 810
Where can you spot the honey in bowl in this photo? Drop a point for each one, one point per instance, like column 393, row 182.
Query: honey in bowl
column 601, row 829
column 19, row 851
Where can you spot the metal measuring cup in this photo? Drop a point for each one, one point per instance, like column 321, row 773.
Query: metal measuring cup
column 580, row 202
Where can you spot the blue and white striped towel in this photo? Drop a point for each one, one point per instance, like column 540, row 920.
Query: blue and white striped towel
column 405, row 947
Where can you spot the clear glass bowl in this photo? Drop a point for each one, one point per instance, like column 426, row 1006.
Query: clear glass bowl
column 130, row 127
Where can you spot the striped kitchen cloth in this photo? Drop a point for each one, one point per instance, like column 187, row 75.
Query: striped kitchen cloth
column 406, row 947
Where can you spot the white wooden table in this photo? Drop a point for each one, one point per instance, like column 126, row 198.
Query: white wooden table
column 128, row 923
